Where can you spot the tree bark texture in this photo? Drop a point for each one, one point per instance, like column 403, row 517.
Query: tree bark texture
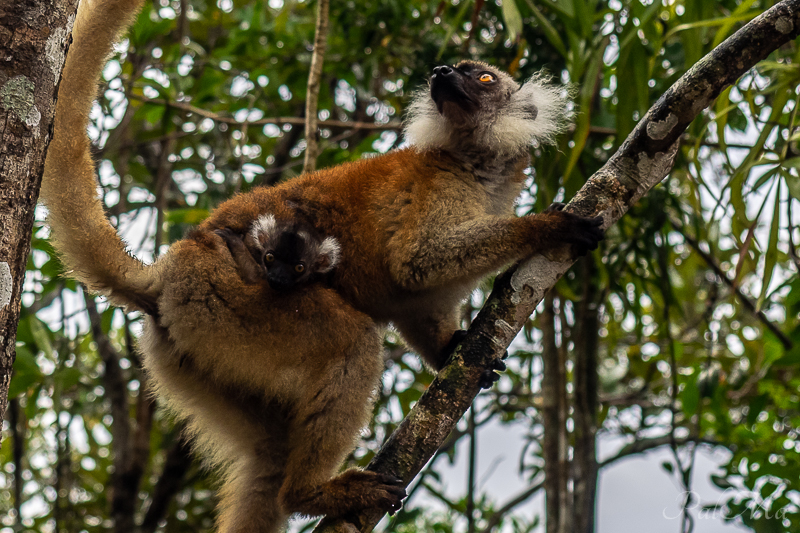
column 314, row 79
column 643, row 160
column 33, row 43
column 552, row 396
column 585, row 402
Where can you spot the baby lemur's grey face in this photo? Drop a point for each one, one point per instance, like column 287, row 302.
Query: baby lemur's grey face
column 472, row 92
column 289, row 252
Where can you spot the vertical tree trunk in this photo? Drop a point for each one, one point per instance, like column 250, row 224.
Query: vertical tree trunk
column 34, row 37
column 550, row 417
column 585, row 414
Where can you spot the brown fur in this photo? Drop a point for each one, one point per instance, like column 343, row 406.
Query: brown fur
column 274, row 388
column 279, row 414
column 420, row 227
column 417, row 232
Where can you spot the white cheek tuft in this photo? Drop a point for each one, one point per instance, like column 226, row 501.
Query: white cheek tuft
column 514, row 126
column 424, row 127
column 330, row 247
column 264, row 225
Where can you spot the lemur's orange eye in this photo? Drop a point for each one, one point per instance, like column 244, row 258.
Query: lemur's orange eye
column 486, row 77
column 299, row 268
column 269, row 257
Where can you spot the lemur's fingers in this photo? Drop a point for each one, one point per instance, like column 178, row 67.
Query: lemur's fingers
column 390, row 492
column 490, row 376
column 227, row 234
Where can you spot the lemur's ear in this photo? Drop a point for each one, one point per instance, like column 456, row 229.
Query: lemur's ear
column 262, row 229
column 329, row 252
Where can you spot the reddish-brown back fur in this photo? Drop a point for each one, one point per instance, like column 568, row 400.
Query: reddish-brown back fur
column 417, row 231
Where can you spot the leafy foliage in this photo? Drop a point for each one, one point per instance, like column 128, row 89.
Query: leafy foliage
column 190, row 115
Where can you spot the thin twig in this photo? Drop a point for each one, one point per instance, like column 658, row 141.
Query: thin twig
column 278, row 121
column 473, row 450
column 643, row 445
column 312, row 93
column 498, row 515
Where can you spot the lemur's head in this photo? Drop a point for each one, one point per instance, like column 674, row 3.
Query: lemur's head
column 473, row 104
column 290, row 252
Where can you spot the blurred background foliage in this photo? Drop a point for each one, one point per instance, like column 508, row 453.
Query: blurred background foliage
column 690, row 309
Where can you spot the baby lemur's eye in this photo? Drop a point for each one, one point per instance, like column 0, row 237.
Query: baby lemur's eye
column 299, row 267
column 269, row 257
column 486, row 77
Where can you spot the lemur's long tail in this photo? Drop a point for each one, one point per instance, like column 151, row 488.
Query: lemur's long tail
column 88, row 244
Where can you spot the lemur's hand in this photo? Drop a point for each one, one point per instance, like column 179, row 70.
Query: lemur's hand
column 583, row 233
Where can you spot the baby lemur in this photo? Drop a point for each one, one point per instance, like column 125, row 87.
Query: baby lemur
column 275, row 385
column 283, row 253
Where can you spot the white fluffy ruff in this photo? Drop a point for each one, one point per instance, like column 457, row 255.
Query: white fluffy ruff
column 510, row 131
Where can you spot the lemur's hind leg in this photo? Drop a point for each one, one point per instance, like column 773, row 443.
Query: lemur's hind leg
column 322, row 434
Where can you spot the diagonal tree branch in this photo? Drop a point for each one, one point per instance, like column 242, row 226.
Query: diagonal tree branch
column 642, row 161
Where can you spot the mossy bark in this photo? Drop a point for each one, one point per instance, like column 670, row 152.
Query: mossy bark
column 34, row 36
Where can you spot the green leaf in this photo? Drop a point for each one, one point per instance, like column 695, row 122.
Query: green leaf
column 550, row 33
column 512, row 19
column 721, row 108
column 26, row 372
column 709, row 23
column 721, row 482
column 187, row 216
column 690, row 398
column 584, row 16
column 67, row 377
column 792, row 182
column 771, row 256
column 726, row 27
column 756, row 406
column 41, row 336
column 584, row 119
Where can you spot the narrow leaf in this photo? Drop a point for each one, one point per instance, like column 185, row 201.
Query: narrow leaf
column 548, row 29
column 512, row 19
column 771, row 256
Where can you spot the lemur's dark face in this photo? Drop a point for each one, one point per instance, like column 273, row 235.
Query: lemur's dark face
column 290, row 253
column 470, row 91
column 287, row 260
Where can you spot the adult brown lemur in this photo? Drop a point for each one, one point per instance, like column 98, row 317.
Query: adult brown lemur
column 274, row 386
column 421, row 226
